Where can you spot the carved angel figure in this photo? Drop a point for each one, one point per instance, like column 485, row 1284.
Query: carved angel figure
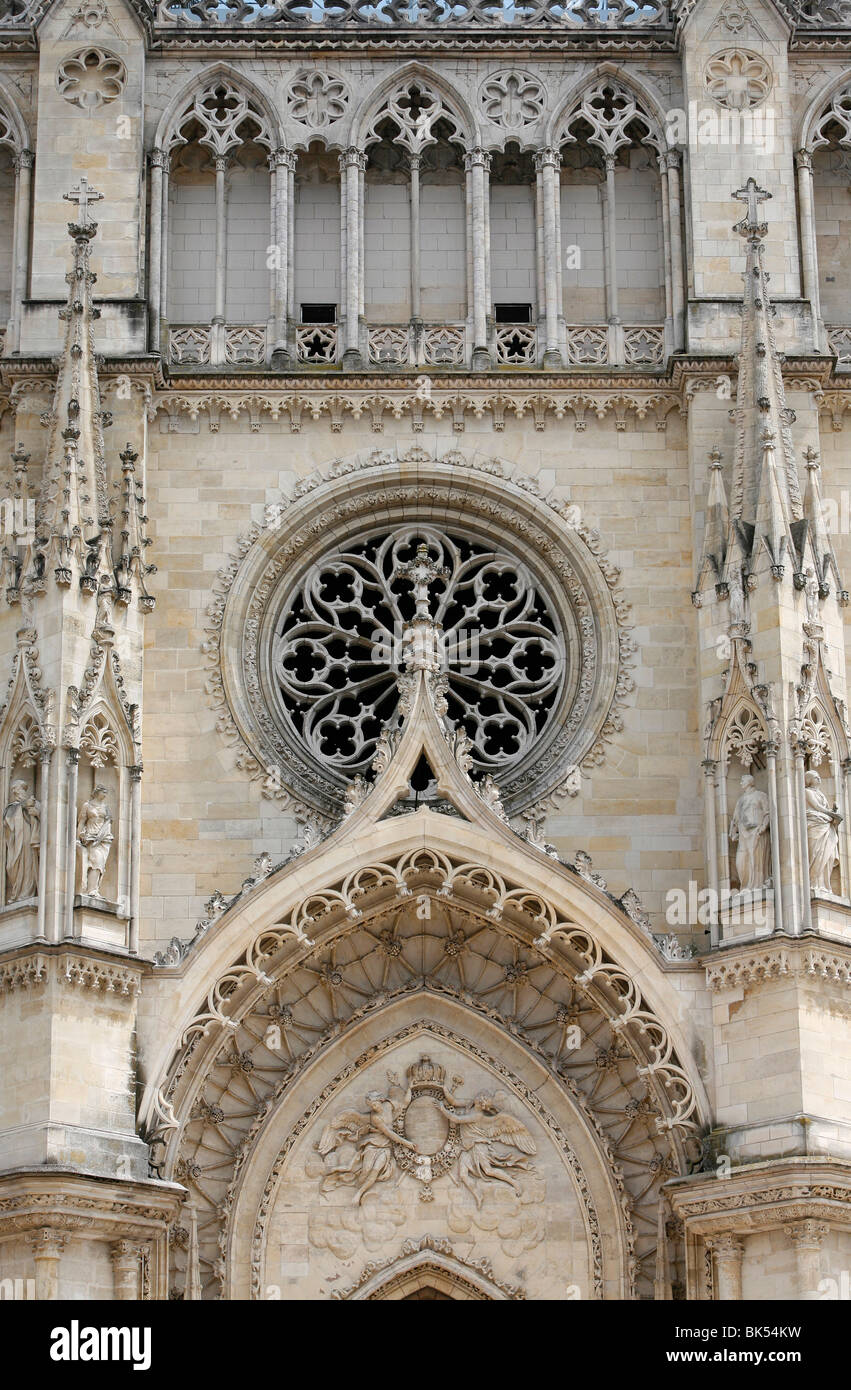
column 490, row 1136
column 359, row 1148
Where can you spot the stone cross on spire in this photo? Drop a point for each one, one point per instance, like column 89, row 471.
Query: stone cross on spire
column 753, row 195
column 83, row 195
column 423, row 571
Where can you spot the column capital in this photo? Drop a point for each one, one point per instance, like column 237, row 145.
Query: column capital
column 24, row 159
column 807, row 1235
column 353, row 158
column 72, row 756
column 282, row 158
column 48, row 1243
column 135, row 770
column 547, row 158
column 415, row 162
column 477, row 158
column 158, row 158
column 611, row 161
column 726, row 1246
column 804, row 160
column 221, row 163
column 673, row 158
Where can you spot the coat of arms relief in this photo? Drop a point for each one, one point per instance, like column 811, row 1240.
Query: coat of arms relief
column 421, row 1128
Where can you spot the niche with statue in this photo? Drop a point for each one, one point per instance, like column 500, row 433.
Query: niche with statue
column 22, row 816
column 101, row 831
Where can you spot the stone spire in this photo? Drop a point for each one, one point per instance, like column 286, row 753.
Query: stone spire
column 766, row 500
column 74, row 515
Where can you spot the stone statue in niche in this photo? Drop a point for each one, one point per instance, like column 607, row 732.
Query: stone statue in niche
column 750, row 833
column 94, row 841
column 421, row 1129
column 823, row 821
column 22, row 831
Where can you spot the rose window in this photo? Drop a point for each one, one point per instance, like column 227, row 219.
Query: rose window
column 337, row 647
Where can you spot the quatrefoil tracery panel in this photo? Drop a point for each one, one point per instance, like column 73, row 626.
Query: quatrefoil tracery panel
column 338, row 647
column 221, row 116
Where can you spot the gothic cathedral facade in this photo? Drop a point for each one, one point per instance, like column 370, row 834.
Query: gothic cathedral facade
column 424, row 732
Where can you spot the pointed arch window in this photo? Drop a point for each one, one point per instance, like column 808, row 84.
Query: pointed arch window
column 620, row 214
column 824, row 176
column 219, row 230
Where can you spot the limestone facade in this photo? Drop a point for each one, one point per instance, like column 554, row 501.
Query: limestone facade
column 425, row 760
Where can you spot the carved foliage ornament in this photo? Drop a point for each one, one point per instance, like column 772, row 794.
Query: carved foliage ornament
column 419, row 14
column 738, row 79
column 91, row 78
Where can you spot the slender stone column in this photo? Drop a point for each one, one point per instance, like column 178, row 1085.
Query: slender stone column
column 549, row 162
column 540, row 275
column 164, row 247
column 724, row 818
column 662, row 164
column 674, row 160
column 774, row 827
column 135, row 841
column 805, row 920
column 71, row 769
column 290, row 174
column 806, row 1239
column 809, row 257
column 610, row 225
column 47, row 1247
column 414, row 162
column 126, row 1261
column 727, row 1251
column 710, row 768
column 221, row 163
column 158, row 160
column 43, row 797
column 845, row 829
column 280, row 163
column 478, row 163
column 20, row 244
column 352, row 164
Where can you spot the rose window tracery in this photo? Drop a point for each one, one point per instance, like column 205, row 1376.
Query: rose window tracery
column 338, row 646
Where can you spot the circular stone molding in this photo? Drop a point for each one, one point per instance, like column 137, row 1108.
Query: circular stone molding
column 91, row 78
column 738, row 79
column 318, row 547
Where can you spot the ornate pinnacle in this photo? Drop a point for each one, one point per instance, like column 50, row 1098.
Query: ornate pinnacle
column 423, row 571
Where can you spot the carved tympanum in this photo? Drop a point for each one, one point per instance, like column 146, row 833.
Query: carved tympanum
column 423, row 1130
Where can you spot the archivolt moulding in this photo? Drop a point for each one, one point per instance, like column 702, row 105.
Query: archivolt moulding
column 430, row 1258
column 477, row 497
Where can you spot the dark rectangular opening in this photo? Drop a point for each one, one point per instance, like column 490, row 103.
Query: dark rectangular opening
column 319, row 313
column 512, row 313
